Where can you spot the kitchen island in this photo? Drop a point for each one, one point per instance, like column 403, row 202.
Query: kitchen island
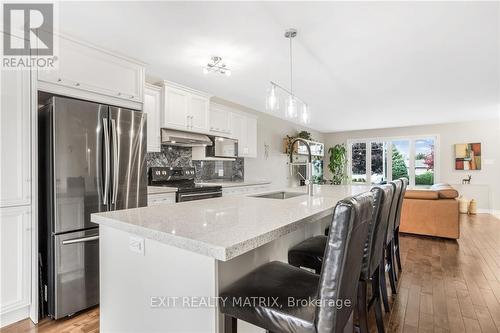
column 161, row 267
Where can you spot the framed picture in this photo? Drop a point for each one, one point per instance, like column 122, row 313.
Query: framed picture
column 468, row 156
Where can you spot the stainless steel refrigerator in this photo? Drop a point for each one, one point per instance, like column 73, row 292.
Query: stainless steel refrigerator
column 91, row 159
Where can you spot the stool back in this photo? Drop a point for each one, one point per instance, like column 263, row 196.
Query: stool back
column 398, row 186
column 375, row 243
column 342, row 261
column 400, row 202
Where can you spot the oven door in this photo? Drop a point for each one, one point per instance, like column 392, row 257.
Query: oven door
column 191, row 196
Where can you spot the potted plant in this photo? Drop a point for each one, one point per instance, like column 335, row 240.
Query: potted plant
column 337, row 165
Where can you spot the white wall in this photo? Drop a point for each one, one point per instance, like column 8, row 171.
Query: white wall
column 485, row 131
column 270, row 131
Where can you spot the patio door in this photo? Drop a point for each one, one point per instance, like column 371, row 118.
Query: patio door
column 380, row 160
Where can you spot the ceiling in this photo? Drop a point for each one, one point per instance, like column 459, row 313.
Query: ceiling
column 359, row 65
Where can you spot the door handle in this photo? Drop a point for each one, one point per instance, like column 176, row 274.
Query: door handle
column 199, row 194
column 107, row 161
column 116, row 165
column 80, row 240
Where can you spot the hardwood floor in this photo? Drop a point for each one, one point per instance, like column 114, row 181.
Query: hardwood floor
column 446, row 286
column 84, row 322
column 449, row 286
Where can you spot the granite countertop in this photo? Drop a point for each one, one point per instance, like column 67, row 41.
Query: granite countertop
column 161, row 189
column 226, row 227
column 229, row 183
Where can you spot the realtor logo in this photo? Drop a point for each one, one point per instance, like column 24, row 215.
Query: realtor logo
column 33, row 24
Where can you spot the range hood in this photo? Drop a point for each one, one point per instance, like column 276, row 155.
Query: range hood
column 183, row 139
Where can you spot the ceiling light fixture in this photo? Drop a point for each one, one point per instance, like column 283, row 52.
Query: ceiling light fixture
column 272, row 100
column 217, row 66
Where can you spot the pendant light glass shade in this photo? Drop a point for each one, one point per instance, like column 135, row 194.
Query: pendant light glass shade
column 272, row 100
column 305, row 117
column 291, row 109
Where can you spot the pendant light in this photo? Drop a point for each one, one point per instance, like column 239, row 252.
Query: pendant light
column 292, row 101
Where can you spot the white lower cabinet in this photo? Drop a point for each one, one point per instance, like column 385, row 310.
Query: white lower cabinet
column 161, row 198
column 237, row 190
column 15, row 261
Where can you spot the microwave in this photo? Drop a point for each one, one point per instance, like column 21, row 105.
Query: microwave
column 222, row 147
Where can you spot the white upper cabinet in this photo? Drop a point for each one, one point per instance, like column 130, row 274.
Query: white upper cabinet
column 152, row 107
column 244, row 128
column 250, row 148
column 85, row 68
column 220, row 120
column 185, row 109
column 198, row 112
column 15, row 146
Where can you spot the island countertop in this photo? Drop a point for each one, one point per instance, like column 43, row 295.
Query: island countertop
column 226, row 227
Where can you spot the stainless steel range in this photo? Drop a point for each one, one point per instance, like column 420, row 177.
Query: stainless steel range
column 183, row 179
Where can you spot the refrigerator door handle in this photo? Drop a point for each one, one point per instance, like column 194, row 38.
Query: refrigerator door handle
column 106, row 160
column 116, row 161
column 80, row 240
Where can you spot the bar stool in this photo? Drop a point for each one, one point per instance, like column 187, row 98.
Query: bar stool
column 373, row 260
column 279, row 281
column 389, row 246
column 398, row 222
column 309, row 254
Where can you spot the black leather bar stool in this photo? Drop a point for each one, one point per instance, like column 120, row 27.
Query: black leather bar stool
column 398, row 222
column 373, row 259
column 389, row 245
column 279, row 281
column 309, row 254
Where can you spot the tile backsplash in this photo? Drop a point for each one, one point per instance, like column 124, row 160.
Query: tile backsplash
column 170, row 156
column 205, row 170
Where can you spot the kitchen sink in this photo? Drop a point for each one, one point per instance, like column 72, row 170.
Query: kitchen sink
column 279, row 195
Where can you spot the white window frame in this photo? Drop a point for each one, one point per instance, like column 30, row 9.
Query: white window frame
column 389, row 140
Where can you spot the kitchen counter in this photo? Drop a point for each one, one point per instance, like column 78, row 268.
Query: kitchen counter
column 157, row 262
column 229, row 183
column 161, row 189
column 226, row 227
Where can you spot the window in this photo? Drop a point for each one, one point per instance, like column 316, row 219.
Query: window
column 358, row 158
column 379, row 160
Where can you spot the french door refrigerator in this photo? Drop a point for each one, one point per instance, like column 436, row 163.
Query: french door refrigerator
column 91, row 159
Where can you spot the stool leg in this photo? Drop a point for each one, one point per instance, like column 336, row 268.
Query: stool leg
column 230, row 324
column 390, row 262
column 396, row 243
column 361, row 306
column 378, row 307
column 383, row 285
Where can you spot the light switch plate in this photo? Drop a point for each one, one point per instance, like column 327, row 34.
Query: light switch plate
column 136, row 244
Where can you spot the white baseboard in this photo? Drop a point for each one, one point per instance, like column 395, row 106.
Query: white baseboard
column 13, row 316
column 489, row 211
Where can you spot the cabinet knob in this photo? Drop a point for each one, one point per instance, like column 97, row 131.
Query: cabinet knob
column 132, row 97
column 77, row 84
column 119, row 94
column 59, row 80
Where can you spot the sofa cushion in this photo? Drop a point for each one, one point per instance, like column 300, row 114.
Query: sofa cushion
column 422, row 194
column 445, row 191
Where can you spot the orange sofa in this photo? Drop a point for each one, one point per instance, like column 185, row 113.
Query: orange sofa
column 431, row 212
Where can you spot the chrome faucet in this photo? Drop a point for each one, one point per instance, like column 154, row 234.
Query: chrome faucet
column 308, row 178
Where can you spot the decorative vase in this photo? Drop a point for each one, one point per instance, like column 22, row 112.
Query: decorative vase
column 463, row 205
column 473, row 207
